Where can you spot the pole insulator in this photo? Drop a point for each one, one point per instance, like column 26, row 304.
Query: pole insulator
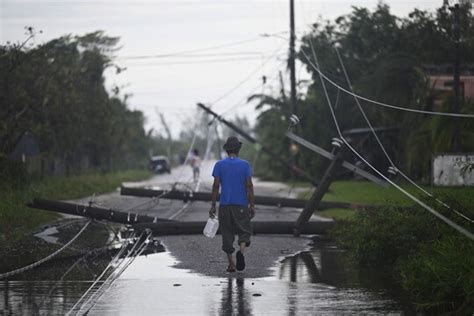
column 294, row 120
column 337, row 142
column 392, row 170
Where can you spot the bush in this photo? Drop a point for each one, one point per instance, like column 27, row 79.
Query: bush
column 431, row 260
column 380, row 237
column 12, row 173
column 440, row 277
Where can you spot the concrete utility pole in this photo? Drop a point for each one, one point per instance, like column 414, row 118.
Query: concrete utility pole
column 263, row 148
column 456, row 147
column 315, row 201
column 186, row 196
column 168, row 135
column 292, row 58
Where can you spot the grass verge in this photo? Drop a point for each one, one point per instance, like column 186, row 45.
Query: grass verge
column 17, row 220
column 364, row 192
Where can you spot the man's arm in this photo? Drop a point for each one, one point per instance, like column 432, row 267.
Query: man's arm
column 251, row 197
column 215, row 193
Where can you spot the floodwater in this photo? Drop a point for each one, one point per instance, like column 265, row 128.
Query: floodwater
column 318, row 281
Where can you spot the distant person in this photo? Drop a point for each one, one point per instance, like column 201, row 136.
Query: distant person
column 195, row 162
column 236, row 206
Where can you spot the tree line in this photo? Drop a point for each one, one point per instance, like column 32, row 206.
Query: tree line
column 56, row 92
column 388, row 59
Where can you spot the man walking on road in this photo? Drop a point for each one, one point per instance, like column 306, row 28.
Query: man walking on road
column 236, row 205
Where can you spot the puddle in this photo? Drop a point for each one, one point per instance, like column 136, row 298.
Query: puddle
column 152, row 285
column 311, row 282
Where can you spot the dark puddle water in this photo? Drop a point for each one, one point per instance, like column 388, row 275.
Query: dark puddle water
column 349, row 288
column 318, row 281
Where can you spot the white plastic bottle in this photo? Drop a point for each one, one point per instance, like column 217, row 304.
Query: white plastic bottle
column 211, row 227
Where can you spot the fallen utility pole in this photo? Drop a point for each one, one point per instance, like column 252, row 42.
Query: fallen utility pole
column 161, row 226
column 265, row 149
column 96, row 213
column 275, row 227
column 259, row 199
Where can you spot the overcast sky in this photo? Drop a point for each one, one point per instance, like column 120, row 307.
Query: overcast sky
column 227, row 73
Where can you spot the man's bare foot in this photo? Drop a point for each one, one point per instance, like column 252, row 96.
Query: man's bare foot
column 231, row 266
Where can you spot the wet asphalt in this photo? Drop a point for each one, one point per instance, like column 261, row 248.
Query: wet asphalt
column 201, row 254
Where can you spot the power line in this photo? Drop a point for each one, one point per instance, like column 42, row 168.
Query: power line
column 416, row 200
column 383, row 148
column 322, row 75
column 112, row 262
column 206, row 61
column 379, row 141
column 241, row 101
column 49, row 257
column 192, row 55
column 240, row 83
column 94, row 298
column 196, row 50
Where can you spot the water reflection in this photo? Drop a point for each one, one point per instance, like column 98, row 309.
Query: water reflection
column 326, row 265
column 54, row 287
column 26, row 298
column 300, row 267
column 235, row 298
column 312, row 282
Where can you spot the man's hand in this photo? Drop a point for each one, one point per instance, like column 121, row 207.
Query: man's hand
column 252, row 211
column 212, row 211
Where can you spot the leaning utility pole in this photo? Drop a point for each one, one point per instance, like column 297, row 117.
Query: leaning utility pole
column 262, row 147
column 322, row 188
column 291, row 62
column 168, row 134
column 456, row 80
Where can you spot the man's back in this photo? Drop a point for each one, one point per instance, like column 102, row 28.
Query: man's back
column 233, row 173
column 237, row 205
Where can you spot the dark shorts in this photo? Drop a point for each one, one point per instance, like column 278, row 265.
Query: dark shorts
column 234, row 220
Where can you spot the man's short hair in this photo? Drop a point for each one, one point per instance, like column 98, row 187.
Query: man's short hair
column 233, row 151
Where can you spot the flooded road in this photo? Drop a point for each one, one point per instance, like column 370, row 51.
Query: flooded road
column 320, row 280
column 284, row 275
column 299, row 284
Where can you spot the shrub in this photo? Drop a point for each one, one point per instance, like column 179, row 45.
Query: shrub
column 432, row 261
column 440, row 277
column 12, row 173
column 380, row 237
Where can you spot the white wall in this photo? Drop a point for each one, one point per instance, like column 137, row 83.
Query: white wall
column 447, row 170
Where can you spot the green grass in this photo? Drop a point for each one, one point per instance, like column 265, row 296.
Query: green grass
column 365, row 193
column 369, row 193
column 337, row 213
column 17, row 220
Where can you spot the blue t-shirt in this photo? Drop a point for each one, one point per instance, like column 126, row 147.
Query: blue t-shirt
column 233, row 173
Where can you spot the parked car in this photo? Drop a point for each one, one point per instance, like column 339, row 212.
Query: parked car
column 160, row 164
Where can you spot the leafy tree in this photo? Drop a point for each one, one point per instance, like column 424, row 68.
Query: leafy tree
column 384, row 57
column 56, row 90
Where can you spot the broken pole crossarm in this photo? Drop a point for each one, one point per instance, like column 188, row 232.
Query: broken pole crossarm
column 96, row 213
column 329, row 155
column 263, row 147
column 322, row 188
column 274, row 227
column 206, row 196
